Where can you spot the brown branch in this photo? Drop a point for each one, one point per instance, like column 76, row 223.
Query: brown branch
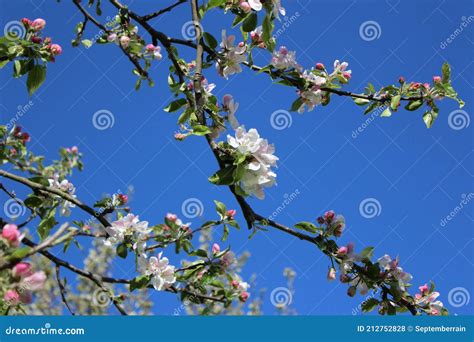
column 62, row 290
column 164, row 10
column 42, row 188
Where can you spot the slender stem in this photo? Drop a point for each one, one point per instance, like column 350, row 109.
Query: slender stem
column 164, row 10
column 62, row 290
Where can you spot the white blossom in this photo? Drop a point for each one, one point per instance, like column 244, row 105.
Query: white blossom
column 284, row 59
column 258, row 173
column 67, row 187
column 129, row 225
column 161, row 272
column 233, row 56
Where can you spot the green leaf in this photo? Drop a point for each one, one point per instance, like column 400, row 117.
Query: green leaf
column 369, row 304
column 267, row 28
column 33, row 201
column 20, row 253
column 386, row 113
column 16, row 68
column 296, row 104
column 201, row 130
column 215, row 3
column 36, row 77
column 367, row 253
column 220, row 208
column 46, row 225
column 139, row 282
column 414, row 105
column 395, row 102
column 87, row 43
column 210, row 40
column 200, row 253
column 307, row 226
column 223, row 176
column 175, row 105
column 360, row 102
column 122, row 250
column 429, row 117
column 250, row 23
column 446, row 72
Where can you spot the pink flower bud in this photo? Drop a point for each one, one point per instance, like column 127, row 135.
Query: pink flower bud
column 56, row 49
column 226, row 99
column 426, row 85
column 179, row 136
column 26, row 22
column 347, row 75
column 344, row 278
column 235, row 284
column 245, row 6
column 351, row 291
column 342, row 250
column 320, row 66
column 124, row 41
column 331, row 274
column 401, row 80
column 423, row 289
column 122, row 198
column 436, row 79
column 74, row 149
column 36, row 39
column 244, row 296
column 150, row 47
column 21, row 270
column 216, row 248
column 112, row 37
column 35, row 281
column 11, row 297
column 171, row 217
column 329, row 215
column 11, row 233
column 38, row 24
column 231, row 213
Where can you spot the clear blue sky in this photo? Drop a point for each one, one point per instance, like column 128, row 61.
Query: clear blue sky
column 417, row 175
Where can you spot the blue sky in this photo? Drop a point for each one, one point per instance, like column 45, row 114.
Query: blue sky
column 417, row 175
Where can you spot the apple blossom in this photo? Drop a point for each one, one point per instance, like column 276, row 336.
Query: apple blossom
column 21, row 270
column 11, row 297
column 331, row 274
column 11, row 233
column 392, row 268
column 233, row 56
column 436, row 79
column 231, row 214
column 38, row 24
column 124, row 41
column 67, row 187
column 56, row 49
column 244, row 296
column 128, row 226
column 245, row 6
column 320, row 66
column 258, row 173
column 112, row 37
column 34, row 282
column 284, row 59
column 230, row 106
column 162, row 274
column 216, row 248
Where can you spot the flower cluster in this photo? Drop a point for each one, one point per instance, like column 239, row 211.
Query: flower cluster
column 256, row 5
column 332, row 224
column 283, row 59
column 159, row 270
column 229, row 64
column 257, row 173
column 392, row 271
column 24, row 283
column 128, row 229
column 67, row 187
column 241, row 288
column 47, row 49
column 427, row 300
